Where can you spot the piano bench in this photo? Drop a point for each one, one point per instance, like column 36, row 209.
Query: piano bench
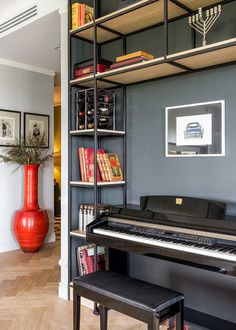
column 144, row 301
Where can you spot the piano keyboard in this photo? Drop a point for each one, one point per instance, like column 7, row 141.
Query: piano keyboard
column 202, row 246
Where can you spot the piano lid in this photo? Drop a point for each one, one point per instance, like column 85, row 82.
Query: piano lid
column 174, row 220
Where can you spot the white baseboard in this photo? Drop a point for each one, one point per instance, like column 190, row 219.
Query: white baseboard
column 50, row 238
column 63, row 291
column 8, row 242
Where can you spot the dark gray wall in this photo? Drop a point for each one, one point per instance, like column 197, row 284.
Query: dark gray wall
column 149, row 172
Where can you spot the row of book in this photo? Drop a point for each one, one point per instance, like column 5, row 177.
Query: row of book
column 81, row 14
column 103, row 65
column 86, row 213
column 108, row 165
column 85, row 258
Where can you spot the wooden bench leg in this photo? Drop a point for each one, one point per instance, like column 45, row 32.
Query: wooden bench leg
column 154, row 324
column 76, row 311
column 103, row 317
column 180, row 317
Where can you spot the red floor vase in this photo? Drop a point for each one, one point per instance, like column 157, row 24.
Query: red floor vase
column 30, row 224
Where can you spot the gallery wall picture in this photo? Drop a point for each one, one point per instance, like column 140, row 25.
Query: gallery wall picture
column 10, row 127
column 35, row 126
column 196, row 130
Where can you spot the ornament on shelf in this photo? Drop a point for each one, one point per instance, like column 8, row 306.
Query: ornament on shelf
column 202, row 25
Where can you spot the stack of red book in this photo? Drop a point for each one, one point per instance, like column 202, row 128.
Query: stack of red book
column 85, row 259
column 108, row 169
column 88, row 68
column 131, row 58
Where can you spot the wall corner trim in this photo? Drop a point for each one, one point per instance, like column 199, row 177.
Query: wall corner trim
column 63, row 10
column 27, row 67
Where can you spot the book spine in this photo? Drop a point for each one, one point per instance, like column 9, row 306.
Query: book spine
column 80, row 150
column 88, row 14
column 75, row 15
column 90, row 157
column 85, row 256
column 80, row 260
column 82, row 14
column 104, row 168
column 114, row 167
column 101, row 167
column 89, row 69
column 86, row 164
column 129, row 62
column 85, row 216
column 135, row 54
column 84, row 169
column 90, row 264
column 106, row 165
column 81, row 212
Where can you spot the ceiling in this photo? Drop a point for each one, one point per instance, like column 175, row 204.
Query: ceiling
column 35, row 43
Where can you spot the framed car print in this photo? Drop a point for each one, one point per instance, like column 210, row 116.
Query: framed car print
column 10, row 127
column 195, row 130
column 35, row 126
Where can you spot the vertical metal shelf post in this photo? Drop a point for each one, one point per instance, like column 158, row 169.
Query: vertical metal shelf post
column 166, row 41
column 95, row 61
column 124, row 39
column 69, row 145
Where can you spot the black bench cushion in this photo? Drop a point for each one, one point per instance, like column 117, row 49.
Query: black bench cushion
column 186, row 206
column 129, row 291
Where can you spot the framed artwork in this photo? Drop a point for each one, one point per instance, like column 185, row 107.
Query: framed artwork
column 194, row 130
column 35, row 125
column 10, row 127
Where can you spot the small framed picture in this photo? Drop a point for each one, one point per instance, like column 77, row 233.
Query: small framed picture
column 36, row 125
column 195, row 130
column 10, row 125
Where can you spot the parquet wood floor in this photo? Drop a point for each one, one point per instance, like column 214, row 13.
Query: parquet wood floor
column 28, row 295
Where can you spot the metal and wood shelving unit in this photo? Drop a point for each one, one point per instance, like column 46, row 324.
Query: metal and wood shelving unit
column 118, row 25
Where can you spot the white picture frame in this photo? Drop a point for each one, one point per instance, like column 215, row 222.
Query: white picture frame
column 195, row 130
column 10, row 127
column 35, row 125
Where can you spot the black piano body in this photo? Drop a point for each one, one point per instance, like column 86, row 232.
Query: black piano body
column 184, row 230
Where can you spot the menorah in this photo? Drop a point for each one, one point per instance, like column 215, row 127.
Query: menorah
column 202, row 25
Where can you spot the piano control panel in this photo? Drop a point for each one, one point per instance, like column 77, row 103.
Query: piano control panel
column 169, row 234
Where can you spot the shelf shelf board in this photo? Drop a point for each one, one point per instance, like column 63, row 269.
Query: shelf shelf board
column 147, row 70
column 198, row 58
column 88, row 82
column 78, row 233
column 218, row 53
column 100, row 132
column 143, row 14
column 99, row 184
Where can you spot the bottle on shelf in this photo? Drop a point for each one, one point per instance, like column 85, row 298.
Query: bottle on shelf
column 85, row 109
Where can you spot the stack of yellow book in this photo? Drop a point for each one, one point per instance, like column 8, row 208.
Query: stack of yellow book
column 80, row 15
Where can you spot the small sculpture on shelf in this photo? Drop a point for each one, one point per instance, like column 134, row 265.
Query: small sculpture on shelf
column 202, row 25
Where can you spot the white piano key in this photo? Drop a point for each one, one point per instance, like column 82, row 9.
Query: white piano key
column 169, row 245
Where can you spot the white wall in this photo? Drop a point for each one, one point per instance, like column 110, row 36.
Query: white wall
column 25, row 91
column 64, row 283
column 12, row 8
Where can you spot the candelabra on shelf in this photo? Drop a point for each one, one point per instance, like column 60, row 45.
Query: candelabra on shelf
column 202, row 25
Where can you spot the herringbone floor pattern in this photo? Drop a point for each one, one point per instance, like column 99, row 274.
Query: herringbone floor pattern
column 28, row 295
